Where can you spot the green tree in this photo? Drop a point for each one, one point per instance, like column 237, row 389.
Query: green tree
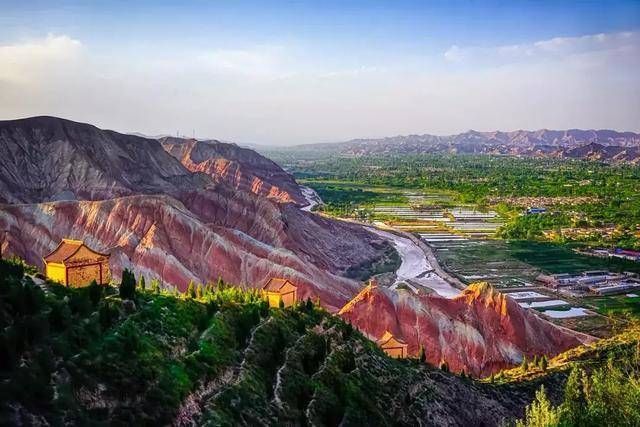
column 127, row 285
column 544, row 362
column 281, row 303
column 199, row 291
column 155, row 286
column 309, row 304
column 106, row 316
column 422, row 357
column 141, row 283
column 95, row 293
column 575, row 404
column 191, row 290
column 540, row 413
column 264, row 309
column 525, row 364
column 220, row 283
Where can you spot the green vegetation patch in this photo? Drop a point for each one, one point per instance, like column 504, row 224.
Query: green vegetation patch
column 88, row 357
column 343, row 198
column 506, row 263
column 601, row 200
column 616, row 305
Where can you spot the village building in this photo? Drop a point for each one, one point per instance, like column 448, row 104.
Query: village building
column 276, row 290
column 75, row 264
column 393, row 346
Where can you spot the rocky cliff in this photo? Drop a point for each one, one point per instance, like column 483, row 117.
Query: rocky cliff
column 479, row 332
column 238, row 167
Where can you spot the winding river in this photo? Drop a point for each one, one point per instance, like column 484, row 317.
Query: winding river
column 416, row 270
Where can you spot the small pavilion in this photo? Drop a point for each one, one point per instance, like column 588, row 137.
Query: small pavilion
column 393, row 346
column 74, row 264
column 276, row 290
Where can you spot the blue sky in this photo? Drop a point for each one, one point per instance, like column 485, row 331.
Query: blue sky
column 303, row 71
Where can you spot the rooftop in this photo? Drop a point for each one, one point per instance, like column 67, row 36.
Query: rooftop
column 66, row 249
column 275, row 284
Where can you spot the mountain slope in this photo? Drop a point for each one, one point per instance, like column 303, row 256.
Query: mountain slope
column 238, row 167
column 164, row 221
column 494, row 331
column 180, row 226
column 160, row 237
column 74, row 356
column 47, row 158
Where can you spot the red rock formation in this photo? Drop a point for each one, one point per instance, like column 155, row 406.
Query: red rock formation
column 172, row 223
column 480, row 332
column 240, row 168
column 159, row 237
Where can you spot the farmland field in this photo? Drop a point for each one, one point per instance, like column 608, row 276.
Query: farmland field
column 592, row 203
column 408, row 210
column 616, row 305
column 511, row 263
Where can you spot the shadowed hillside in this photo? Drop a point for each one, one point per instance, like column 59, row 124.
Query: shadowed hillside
column 220, row 356
column 215, row 356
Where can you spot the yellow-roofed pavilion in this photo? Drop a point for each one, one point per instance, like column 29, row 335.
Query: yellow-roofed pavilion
column 75, row 264
column 276, row 290
column 393, row 346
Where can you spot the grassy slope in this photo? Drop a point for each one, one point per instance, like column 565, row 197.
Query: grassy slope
column 223, row 359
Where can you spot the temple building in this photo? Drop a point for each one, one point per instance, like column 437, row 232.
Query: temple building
column 276, row 290
column 75, row 264
column 394, row 347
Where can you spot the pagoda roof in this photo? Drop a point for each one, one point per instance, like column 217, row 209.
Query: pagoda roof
column 388, row 338
column 276, row 284
column 66, row 249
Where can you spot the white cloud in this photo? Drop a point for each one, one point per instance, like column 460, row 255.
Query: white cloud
column 553, row 49
column 454, row 54
column 271, row 94
column 19, row 62
column 352, row 72
column 261, row 62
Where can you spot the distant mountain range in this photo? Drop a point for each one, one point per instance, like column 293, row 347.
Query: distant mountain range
column 606, row 145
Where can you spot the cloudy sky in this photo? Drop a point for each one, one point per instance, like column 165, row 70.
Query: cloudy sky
column 297, row 72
